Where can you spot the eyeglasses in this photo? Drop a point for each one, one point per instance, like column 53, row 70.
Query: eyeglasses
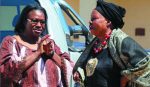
column 35, row 21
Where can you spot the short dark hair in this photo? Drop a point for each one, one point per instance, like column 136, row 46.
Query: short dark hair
column 20, row 26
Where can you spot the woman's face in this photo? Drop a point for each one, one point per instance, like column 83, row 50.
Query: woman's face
column 98, row 24
column 35, row 23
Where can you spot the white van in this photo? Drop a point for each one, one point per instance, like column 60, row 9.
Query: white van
column 64, row 25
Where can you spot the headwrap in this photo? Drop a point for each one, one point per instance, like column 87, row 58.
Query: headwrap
column 111, row 12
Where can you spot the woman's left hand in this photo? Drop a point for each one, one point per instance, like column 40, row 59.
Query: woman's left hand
column 76, row 76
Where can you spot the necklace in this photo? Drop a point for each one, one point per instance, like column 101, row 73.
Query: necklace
column 99, row 47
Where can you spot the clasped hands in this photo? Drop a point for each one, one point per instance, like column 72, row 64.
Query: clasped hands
column 46, row 46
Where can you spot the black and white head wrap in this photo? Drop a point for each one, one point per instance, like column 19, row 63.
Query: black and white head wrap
column 111, row 12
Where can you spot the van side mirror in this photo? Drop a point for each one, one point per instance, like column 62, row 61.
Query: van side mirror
column 75, row 30
column 76, row 40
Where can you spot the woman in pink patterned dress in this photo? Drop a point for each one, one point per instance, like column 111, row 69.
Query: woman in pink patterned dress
column 28, row 60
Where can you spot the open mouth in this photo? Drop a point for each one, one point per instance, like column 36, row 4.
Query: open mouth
column 37, row 30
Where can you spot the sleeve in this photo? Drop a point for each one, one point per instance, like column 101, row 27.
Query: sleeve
column 64, row 55
column 67, row 64
column 9, row 69
column 137, row 61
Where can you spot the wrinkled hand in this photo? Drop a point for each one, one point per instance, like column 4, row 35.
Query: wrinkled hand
column 76, row 76
column 124, row 81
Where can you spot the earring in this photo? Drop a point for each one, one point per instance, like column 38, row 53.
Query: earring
column 109, row 25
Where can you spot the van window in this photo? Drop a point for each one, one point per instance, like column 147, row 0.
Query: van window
column 77, row 38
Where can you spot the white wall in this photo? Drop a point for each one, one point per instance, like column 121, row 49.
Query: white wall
column 85, row 10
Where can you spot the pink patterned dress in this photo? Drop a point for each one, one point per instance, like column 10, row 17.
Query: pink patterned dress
column 43, row 73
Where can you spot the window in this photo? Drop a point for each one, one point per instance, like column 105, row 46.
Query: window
column 140, row 32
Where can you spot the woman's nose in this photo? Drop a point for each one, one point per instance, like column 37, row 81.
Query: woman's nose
column 38, row 24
